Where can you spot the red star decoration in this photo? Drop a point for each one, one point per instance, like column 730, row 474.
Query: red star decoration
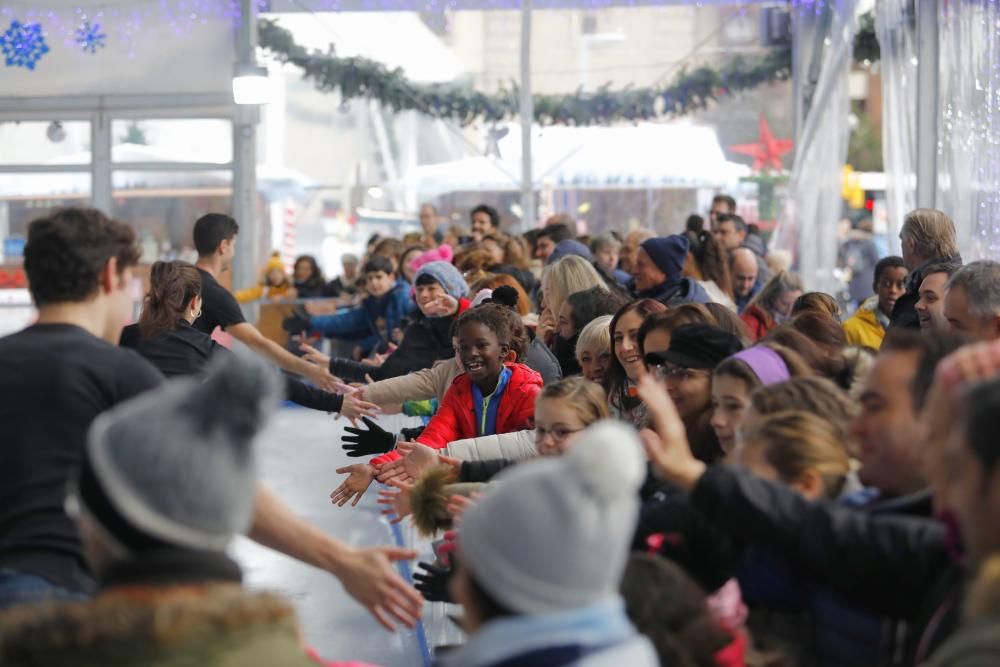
column 767, row 152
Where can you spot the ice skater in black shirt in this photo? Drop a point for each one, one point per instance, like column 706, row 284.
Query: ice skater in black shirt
column 215, row 241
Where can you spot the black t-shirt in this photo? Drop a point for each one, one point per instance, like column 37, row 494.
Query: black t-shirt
column 219, row 307
column 55, row 379
column 181, row 351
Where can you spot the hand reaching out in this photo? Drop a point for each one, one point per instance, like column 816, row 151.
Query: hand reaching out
column 417, row 458
column 668, row 447
column 321, row 377
column 432, row 580
column 396, row 502
column 376, row 440
column 359, row 478
column 370, row 578
column 457, row 505
column 354, row 407
column 314, row 356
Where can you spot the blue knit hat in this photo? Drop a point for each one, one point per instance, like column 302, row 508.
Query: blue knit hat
column 568, row 247
column 668, row 253
column 445, row 275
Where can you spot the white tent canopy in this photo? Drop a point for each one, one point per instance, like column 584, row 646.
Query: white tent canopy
column 648, row 155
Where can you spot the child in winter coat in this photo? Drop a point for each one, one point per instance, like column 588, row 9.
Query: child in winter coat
column 494, row 394
column 370, row 324
column 491, row 396
column 274, row 284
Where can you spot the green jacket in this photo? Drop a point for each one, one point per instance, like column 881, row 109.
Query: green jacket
column 217, row 625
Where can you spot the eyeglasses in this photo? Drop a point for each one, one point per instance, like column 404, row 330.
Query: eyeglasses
column 559, row 433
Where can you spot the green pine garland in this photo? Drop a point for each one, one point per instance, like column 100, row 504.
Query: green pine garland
column 690, row 91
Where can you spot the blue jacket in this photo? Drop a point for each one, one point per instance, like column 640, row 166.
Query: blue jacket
column 684, row 290
column 596, row 636
column 372, row 322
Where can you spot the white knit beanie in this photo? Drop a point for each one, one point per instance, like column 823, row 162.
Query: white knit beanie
column 175, row 467
column 554, row 534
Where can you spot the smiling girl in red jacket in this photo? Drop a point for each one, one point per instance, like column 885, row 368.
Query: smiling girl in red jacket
column 491, row 396
column 494, row 395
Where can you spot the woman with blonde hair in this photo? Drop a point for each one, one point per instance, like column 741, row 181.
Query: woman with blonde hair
column 567, row 276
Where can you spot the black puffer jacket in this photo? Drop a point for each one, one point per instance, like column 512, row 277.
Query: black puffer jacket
column 900, row 567
column 426, row 340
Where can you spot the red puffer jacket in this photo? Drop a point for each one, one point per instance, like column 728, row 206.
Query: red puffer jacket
column 456, row 418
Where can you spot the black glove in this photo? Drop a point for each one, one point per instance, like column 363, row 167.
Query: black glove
column 434, row 584
column 411, row 434
column 297, row 322
column 376, row 440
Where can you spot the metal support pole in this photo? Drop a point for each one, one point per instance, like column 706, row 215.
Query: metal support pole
column 527, row 117
column 100, row 149
column 928, row 86
column 245, row 160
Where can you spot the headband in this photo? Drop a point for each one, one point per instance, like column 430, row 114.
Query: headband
column 766, row 364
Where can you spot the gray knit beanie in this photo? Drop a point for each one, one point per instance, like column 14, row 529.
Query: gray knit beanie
column 445, row 275
column 554, row 534
column 175, row 467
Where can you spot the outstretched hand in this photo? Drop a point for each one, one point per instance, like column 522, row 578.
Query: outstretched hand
column 359, row 478
column 369, row 577
column 354, row 407
column 432, row 580
column 376, row 440
column 314, row 356
column 396, row 503
column 321, row 377
column 417, row 458
column 668, row 446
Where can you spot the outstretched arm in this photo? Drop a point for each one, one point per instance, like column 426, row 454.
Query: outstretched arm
column 250, row 336
column 366, row 574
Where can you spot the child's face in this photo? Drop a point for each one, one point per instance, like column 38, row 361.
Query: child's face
column 730, row 398
column 379, row 283
column 480, row 351
column 275, row 277
column 556, row 426
column 594, row 364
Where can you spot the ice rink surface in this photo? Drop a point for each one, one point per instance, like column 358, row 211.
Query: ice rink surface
column 298, row 455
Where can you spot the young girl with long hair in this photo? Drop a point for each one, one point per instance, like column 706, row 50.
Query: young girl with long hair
column 737, row 377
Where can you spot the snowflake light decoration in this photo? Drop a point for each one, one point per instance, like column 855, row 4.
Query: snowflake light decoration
column 23, row 44
column 89, row 37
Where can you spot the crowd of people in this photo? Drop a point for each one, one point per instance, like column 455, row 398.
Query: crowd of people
column 635, row 450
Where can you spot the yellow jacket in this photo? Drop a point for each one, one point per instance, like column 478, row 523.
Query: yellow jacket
column 863, row 328
column 260, row 291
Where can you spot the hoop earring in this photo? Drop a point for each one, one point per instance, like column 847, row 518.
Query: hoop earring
column 198, row 314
